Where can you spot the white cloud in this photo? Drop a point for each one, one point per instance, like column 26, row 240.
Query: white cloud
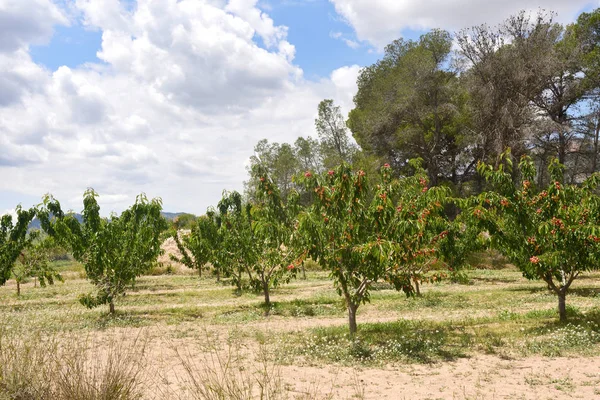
column 19, row 77
column 200, row 55
column 349, row 42
column 381, row 21
column 183, row 95
column 24, row 22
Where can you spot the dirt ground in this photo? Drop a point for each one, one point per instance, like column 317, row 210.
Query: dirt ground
column 183, row 319
column 478, row 376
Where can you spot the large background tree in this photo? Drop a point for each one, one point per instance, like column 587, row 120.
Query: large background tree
column 526, row 85
column 585, row 34
column 335, row 145
column 411, row 104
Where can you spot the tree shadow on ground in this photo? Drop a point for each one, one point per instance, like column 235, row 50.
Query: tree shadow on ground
column 583, row 292
column 494, row 280
column 589, row 320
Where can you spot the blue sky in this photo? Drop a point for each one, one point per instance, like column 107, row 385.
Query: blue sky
column 183, row 89
column 312, row 27
column 70, row 45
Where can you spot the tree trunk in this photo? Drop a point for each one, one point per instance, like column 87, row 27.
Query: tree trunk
column 596, row 144
column 562, row 148
column 18, row 288
column 111, row 307
column 200, row 271
column 417, row 287
column 562, row 306
column 303, row 271
column 238, row 282
column 267, row 298
column 352, row 318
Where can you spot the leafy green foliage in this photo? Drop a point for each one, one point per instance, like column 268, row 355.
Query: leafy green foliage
column 113, row 251
column 550, row 234
column 13, row 240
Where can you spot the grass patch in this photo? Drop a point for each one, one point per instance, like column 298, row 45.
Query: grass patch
column 412, row 341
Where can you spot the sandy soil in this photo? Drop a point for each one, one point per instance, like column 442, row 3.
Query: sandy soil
column 480, row 377
column 170, row 248
column 476, row 377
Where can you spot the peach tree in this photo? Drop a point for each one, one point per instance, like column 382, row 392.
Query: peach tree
column 364, row 236
column 274, row 233
column 551, row 234
column 34, row 262
column 221, row 237
column 14, row 239
column 114, row 251
column 197, row 248
column 236, row 252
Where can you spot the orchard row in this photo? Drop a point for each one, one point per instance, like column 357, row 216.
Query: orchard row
column 361, row 229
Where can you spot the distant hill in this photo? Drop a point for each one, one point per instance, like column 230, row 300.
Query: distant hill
column 169, row 216
column 36, row 224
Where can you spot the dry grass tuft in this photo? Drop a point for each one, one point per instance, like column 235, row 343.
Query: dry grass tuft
column 38, row 368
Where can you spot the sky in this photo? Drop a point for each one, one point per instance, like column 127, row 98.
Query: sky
column 169, row 97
